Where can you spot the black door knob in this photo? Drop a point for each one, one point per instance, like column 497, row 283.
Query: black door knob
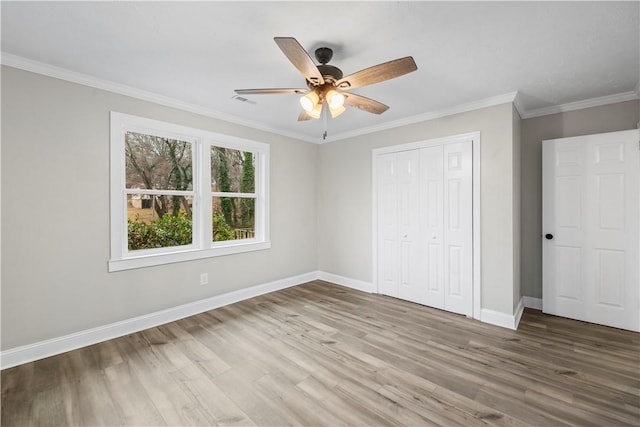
column 548, row 236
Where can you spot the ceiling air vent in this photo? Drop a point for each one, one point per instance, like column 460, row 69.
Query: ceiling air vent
column 243, row 99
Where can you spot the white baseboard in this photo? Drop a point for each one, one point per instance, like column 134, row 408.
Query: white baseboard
column 358, row 285
column 508, row 321
column 504, row 320
column 532, row 302
column 497, row 318
column 51, row 347
column 518, row 314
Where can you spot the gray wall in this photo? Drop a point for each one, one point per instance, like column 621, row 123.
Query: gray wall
column 345, row 202
column 55, row 214
column 608, row 118
column 55, row 206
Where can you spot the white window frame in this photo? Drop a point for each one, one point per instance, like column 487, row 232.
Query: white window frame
column 202, row 245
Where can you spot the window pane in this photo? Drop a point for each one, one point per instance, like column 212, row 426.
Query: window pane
column 233, row 218
column 158, row 221
column 153, row 162
column 232, row 170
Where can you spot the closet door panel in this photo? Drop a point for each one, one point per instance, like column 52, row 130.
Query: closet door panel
column 411, row 284
column 458, row 223
column 387, row 225
column 432, row 211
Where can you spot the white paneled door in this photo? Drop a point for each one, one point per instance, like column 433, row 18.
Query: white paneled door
column 425, row 236
column 591, row 228
column 458, row 233
column 399, row 229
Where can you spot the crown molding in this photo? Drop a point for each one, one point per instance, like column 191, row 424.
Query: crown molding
column 519, row 104
column 462, row 108
column 37, row 67
column 25, row 64
column 579, row 105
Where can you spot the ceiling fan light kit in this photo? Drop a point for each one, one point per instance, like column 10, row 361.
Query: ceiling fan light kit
column 336, row 111
column 309, row 101
column 326, row 84
column 316, row 112
column 313, row 102
column 334, row 98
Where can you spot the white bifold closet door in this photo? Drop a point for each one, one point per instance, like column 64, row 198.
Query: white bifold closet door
column 398, row 227
column 424, row 211
column 591, row 228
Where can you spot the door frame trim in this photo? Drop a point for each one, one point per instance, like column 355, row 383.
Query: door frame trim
column 476, row 233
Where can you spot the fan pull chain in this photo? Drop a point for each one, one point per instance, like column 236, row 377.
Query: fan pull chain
column 324, row 118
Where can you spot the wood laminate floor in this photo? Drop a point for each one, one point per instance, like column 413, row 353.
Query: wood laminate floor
column 319, row 354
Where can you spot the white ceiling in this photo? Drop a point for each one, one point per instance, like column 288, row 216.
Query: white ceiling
column 551, row 53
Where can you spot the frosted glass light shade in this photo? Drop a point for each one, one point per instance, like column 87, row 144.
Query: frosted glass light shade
column 335, row 112
column 335, row 99
column 316, row 111
column 309, row 101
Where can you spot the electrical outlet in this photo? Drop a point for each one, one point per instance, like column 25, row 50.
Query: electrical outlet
column 204, row 278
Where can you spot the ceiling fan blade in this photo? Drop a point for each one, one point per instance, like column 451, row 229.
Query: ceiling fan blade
column 270, row 91
column 300, row 59
column 378, row 73
column 364, row 103
column 304, row 116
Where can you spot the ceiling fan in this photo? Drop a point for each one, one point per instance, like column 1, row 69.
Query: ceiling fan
column 326, row 84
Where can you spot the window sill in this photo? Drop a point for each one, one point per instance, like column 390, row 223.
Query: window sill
column 133, row 262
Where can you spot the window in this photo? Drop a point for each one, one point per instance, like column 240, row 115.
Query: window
column 179, row 193
column 159, row 191
column 233, row 196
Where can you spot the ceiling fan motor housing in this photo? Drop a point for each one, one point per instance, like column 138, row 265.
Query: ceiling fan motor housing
column 329, row 72
column 324, row 54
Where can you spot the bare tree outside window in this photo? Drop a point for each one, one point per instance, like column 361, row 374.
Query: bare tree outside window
column 157, row 220
column 159, row 183
column 179, row 193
